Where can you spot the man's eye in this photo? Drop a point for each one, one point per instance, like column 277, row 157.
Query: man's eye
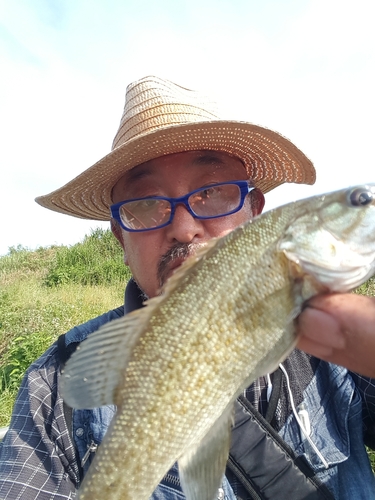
column 150, row 203
column 147, row 203
column 210, row 192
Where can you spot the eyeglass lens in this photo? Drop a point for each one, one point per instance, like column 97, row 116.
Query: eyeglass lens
column 215, row 200
column 212, row 201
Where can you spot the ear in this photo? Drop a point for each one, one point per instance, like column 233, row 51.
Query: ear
column 257, row 201
column 117, row 233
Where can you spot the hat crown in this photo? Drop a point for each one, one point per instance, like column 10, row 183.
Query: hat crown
column 153, row 103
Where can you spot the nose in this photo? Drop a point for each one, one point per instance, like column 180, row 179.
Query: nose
column 184, row 228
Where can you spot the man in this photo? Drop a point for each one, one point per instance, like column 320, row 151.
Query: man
column 171, row 145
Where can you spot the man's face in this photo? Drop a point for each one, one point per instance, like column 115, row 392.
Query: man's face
column 153, row 255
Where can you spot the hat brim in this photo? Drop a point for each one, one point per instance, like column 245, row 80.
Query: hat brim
column 269, row 158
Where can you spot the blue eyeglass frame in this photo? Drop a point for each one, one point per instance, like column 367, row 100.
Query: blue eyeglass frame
column 245, row 189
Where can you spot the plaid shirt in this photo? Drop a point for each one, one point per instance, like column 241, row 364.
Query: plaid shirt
column 37, row 455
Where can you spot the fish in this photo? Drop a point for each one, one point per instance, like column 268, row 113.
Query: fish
column 226, row 316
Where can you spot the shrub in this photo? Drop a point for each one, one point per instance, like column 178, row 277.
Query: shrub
column 97, row 260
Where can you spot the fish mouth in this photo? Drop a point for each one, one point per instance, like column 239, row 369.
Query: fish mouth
column 173, row 259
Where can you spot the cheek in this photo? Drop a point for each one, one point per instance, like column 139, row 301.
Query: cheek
column 222, row 226
column 142, row 254
column 135, row 252
column 245, row 214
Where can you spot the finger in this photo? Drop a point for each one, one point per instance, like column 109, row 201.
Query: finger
column 321, row 327
column 344, row 323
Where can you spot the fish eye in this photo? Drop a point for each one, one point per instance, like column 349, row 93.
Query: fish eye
column 360, row 197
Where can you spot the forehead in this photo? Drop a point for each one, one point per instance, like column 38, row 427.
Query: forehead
column 195, row 163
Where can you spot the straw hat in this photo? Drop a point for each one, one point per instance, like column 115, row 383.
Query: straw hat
column 161, row 118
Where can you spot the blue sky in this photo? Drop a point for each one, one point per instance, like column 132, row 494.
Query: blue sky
column 303, row 68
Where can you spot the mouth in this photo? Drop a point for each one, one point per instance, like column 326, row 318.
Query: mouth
column 170, row 269
column 174, row 266
column 177, row 263
column 173, row 259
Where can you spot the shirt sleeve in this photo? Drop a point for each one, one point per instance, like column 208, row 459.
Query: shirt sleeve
column 37, row 456
column 366, row 388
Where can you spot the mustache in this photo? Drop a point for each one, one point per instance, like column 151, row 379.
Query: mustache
column 177, row 252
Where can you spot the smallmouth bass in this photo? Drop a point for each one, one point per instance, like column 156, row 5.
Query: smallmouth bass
column 226, row 317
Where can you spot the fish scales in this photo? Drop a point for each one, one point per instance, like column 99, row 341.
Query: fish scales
column 225, row 318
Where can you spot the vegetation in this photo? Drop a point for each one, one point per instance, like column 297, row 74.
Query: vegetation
column 44, row 293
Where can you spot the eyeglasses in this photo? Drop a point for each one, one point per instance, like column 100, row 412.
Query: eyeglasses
column 210, row 202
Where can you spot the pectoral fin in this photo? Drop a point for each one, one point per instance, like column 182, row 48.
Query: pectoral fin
column 202, row 467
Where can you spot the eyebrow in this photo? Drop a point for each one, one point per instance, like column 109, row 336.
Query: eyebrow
column 138, row 173
column 208, row 159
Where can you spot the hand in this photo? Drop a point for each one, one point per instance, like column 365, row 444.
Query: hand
column 340, row 328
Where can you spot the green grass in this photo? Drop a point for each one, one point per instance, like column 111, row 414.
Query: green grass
column 44, row 293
